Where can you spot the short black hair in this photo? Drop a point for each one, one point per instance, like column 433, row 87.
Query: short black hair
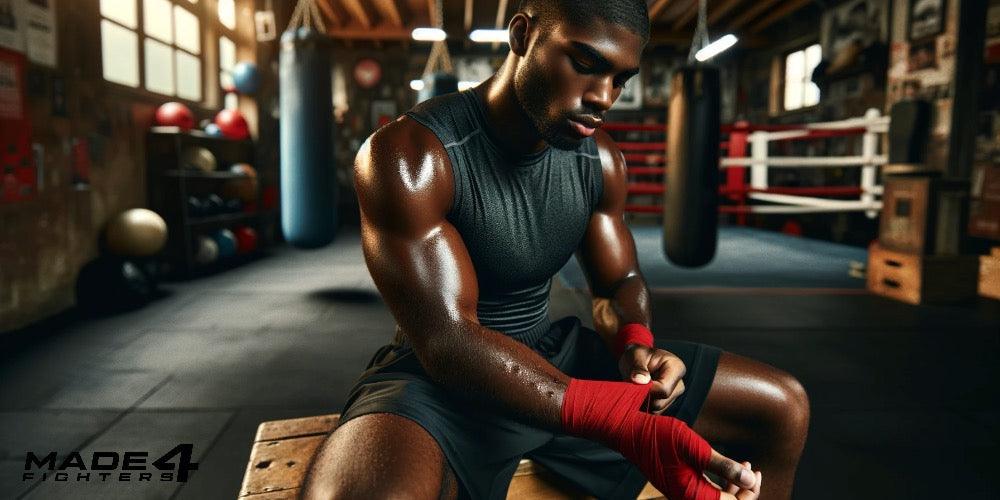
column 632, row 14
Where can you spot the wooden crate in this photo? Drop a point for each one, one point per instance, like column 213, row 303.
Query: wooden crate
column 921, row 279
column 989, row 274
column 283, row 450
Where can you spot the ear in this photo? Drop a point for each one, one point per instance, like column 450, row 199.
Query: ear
column 518, row 30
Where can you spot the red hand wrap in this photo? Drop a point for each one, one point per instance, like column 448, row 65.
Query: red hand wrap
column 632, row 333
column 665, row 449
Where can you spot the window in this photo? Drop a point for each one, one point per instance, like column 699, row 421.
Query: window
column 800, row 91
column 170, row 39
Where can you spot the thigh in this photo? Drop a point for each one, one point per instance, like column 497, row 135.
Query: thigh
column 380, row 456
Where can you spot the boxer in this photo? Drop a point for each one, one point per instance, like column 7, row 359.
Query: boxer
column 470, row 204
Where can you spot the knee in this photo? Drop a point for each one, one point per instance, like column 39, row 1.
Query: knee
column 791, row 418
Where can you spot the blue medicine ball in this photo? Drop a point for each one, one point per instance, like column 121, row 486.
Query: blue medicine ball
column 226, row 241
column 213, row 130
column 245, row 77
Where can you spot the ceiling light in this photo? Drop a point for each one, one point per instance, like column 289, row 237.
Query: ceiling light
column 715, row 48
column 489, row 36
column 428, row 34
column 417, row 85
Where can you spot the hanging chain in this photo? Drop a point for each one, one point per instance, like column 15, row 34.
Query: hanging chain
column 306, row 14
column 700, row 39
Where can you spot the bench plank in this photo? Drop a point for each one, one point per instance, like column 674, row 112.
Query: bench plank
column 283, row 449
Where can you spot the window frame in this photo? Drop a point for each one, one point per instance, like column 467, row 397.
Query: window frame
column 221, row 30
column 195, row 8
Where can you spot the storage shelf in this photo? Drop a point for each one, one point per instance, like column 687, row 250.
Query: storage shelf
column 197, row 174
column 222, row 218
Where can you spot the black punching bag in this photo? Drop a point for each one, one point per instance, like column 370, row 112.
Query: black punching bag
column 438, row 83
column 308, row 172
column 691, row 207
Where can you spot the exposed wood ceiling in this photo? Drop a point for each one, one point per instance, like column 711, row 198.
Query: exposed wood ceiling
column 672, row 21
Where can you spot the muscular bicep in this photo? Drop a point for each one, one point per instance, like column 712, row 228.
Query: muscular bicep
column 607, row 253
column 416, row 257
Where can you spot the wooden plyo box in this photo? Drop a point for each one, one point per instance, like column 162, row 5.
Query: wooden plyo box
column 923, row 214
column 283, row 450
column 921, row 279
column 989, row 274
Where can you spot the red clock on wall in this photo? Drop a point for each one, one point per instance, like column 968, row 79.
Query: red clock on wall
column 367, row 73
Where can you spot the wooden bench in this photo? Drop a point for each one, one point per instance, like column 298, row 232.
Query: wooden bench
column 283, row 450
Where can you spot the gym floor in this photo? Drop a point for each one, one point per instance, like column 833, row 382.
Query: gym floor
column 905, row 399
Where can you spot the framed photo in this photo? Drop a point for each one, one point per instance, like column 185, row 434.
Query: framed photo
column 926, row 18
column 631, row 96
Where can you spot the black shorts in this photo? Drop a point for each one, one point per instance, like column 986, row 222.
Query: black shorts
column 484, row 448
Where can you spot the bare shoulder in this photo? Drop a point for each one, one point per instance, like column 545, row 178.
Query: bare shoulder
column 402, row 172
column 612, row 167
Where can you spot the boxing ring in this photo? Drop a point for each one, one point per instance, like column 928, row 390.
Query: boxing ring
column 749, row 258
column 747, row 161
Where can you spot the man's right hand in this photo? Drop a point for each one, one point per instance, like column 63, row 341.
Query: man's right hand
column 733, row 491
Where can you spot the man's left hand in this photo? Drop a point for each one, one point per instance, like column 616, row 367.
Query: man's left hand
column 641, row 365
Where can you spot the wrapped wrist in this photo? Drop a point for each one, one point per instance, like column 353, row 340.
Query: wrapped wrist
column 632, row 333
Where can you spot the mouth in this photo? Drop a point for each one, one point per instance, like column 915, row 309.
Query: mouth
column 585, row 125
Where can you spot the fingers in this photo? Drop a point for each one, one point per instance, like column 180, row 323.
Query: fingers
column 731, row 471
column 733, row 488
column 661, row 399
column 667, row 369
column 635, row 364
column 752, row 493
column 734, row 492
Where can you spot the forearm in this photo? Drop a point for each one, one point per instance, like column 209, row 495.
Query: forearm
column 626, row 302
column 486, row 365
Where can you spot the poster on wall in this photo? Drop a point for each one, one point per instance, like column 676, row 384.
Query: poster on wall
column 926, row 18
column 383, row 112
column 11, row 26
column 852, row 27
column 18, row 178
column 39, row 21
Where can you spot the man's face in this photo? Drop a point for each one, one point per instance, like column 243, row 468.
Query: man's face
column 570, row 76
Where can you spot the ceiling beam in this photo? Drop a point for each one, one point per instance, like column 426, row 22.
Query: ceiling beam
column 663, row 35
column 501, row 13
column 326, row 7
column 467, row 14
column 358, row 12
column 657, row 8
column 786, row 9
column 721, row 9
column 388, row 10
column 687, row 15
column 380, row 33
column 750, row 14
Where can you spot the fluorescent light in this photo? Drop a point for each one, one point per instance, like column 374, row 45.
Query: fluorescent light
column 715, row 48
column 465, row 84
column 417, row 85
column 489, row 36
column 428, row 34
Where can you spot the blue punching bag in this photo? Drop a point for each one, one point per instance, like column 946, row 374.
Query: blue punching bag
column 308, row 172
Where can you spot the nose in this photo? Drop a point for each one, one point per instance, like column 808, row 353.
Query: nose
column 600, row 96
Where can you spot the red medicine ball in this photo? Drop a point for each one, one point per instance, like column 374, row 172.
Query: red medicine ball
column 175, row 114
column 232, row 124
column 246, row 239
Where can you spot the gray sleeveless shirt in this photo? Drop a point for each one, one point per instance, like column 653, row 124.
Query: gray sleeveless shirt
column 520, row 218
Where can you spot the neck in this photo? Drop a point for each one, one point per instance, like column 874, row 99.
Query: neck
column 509, row 125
